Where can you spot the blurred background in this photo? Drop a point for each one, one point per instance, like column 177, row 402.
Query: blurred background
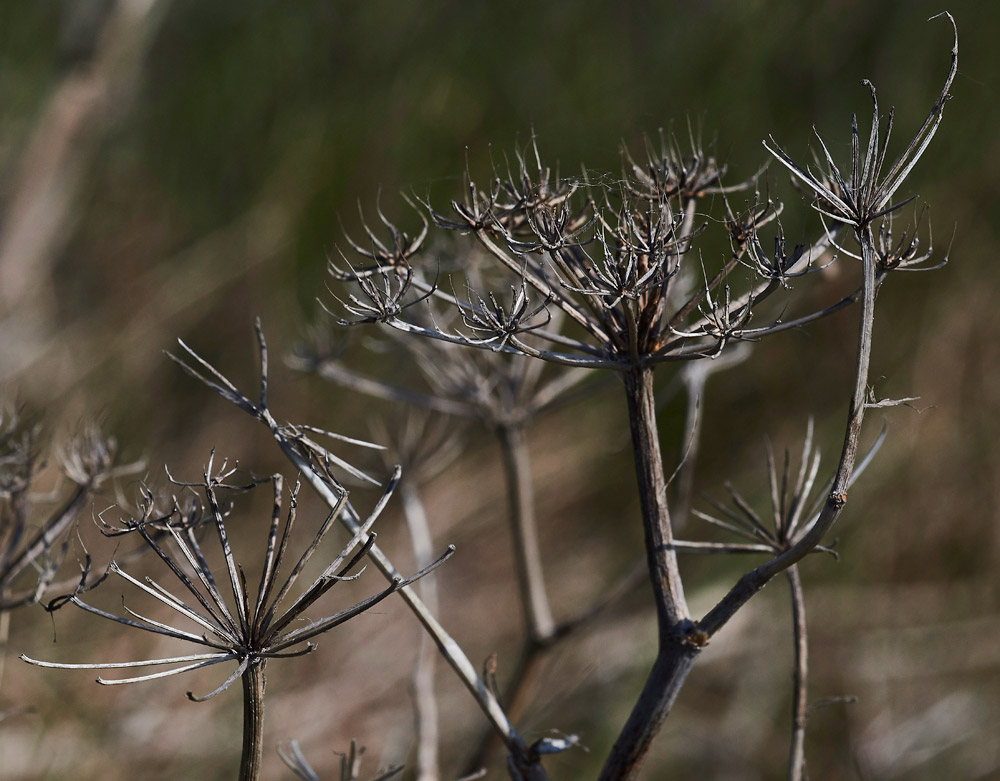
column 170, row 169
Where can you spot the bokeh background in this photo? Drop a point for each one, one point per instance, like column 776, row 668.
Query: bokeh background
column 171, row 168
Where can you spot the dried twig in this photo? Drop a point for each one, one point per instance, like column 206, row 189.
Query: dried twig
column 313, row 462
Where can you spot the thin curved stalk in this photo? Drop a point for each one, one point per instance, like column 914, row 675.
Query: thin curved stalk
column 540, row 629
column 694, row 388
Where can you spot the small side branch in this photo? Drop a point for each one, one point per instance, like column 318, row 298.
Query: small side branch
column 539, row 623
column 753, row 581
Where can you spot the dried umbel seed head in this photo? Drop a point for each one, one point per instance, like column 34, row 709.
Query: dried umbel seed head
column 34, row 539
column 249, row 629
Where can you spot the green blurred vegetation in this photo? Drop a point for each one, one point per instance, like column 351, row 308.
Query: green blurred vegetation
column 214, row 180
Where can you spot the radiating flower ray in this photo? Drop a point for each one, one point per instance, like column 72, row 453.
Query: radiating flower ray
column 795, row 502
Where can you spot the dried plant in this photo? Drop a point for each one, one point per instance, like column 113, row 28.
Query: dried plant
column 253, row 629
column 618, row 262
column 548, row 276
column 33, row 548
column 313, row 462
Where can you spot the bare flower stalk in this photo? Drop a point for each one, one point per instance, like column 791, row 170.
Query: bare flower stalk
column 253, row 722
column 678, row 645
column 524, row 531
column 424, row 694
column 422, row 447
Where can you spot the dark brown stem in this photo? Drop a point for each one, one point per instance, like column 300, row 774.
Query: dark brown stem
column 661, row 557
column 253, row 721
column 800, row 695
column 677, row 647
column 671, row 668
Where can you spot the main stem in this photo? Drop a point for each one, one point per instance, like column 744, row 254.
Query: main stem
column 677, row 647
column 253, row 721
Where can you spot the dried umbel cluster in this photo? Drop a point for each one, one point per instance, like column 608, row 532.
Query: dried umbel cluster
column 257, row 627
column 34, row 535
column 609, row 273
column 249, row 628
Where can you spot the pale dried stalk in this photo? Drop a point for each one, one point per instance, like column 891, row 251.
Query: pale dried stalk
column 524, row 531
column 424, row 695
column 800, row 692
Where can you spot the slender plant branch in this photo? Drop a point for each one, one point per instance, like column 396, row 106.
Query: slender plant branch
column 424, row 695
column 800, row 692
column 756, row 579
column 539, row 623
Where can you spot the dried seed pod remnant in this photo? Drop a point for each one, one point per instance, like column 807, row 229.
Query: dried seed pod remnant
column 250, row 629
